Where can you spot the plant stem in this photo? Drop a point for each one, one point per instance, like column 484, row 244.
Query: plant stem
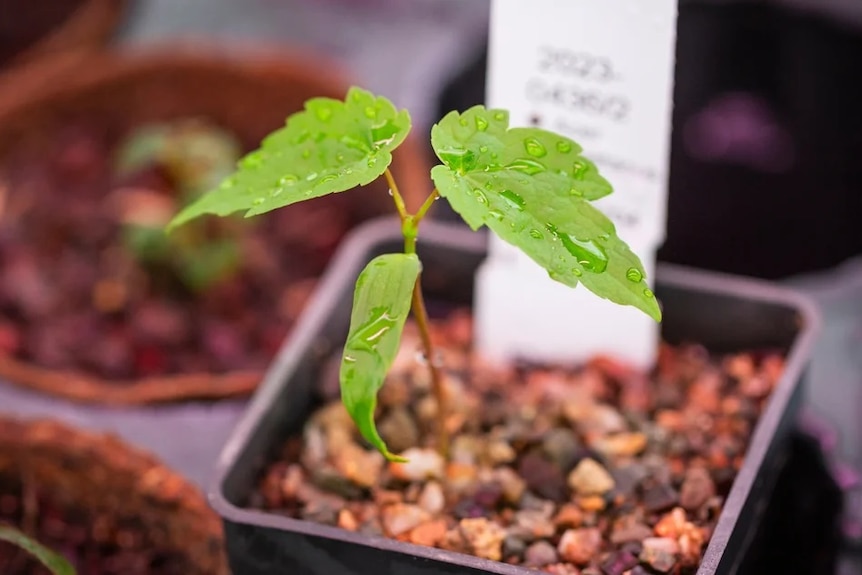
column 437, row 387
column 396, row 195
column 410, row 229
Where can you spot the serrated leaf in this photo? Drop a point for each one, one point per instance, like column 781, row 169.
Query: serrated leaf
column 331, row 146
column 533, row 189
column 381, row 304
column 55, row 563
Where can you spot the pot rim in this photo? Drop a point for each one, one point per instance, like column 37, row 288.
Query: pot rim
column 344, row 267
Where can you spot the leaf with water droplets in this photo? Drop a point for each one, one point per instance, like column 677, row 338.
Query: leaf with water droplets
column 56, row 563
column 330, row 146
column 381, row 304
column 533, row 188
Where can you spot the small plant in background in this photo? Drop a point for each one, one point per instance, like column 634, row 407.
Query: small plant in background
column 55, row 563
column 531, row 187
column 195, row 156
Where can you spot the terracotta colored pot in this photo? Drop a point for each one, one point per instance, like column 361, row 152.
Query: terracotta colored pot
column 250, row 94
column 111, row 484
column 87, row 26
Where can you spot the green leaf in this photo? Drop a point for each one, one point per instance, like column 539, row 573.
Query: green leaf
column 55, row 563
column 330, row 146
column 381, row 304
column 533, row 189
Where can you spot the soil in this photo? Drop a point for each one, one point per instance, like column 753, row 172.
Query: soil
column 587, row 470
column 73, row 298
column 108, row 507
column 101, row 545
column 24, row 23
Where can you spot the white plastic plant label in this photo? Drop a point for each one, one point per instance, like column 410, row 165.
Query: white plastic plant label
column 601, row 73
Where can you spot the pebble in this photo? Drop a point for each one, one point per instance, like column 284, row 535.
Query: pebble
column 429, row 533
column 401, row 518
column 618, row 563
column 563, row 569
column 660, row 553
column 500, row 452
column 432, row 499
column 347, row 520
column 399, row 430
column 659, row 497
column 540, row 554
column 569, row 516
column 331, row 480
column 697, row 488
column 590, row 478
column 580, row 545
column 562, row 447
column 535, row 524
column 513, row 547
column 484, row 537
column 512, row 485
column 629, row 529
column 627, row 477
column 626, row 444
column 362, row 467
column 421, row 464
column 543, row 477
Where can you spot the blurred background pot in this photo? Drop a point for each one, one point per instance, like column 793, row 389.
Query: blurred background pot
column 60, row 124
column 107, row 507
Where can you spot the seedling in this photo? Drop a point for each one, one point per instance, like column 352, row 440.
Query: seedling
column 55, row 563
column 196, row 156
column 530, row 186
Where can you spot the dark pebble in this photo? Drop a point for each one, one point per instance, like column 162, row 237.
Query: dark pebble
column 563, row 448
column 660, row 497
column 469, row 509
column 543, row 477
column 618, row 563
column 488, row 495
column 513, row 547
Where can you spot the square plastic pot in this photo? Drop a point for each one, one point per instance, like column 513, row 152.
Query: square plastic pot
column 723, row 313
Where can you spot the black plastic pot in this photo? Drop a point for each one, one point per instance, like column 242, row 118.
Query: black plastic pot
column 723, row 313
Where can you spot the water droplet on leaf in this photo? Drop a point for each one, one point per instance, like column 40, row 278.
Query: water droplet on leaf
column 257, row 201
column 590, row 255
column 483, row 149
column 480, row 197
column 648, row 293
column 634, row 275
column 513, row 199
column 499, row 116
column 535, row 148
column 287, row 180
column 577, row 272
column 481, row 123
column 311, row 177
column 564, row 147
column 496, row 214
column 536, row 234
column 253, row 160
column 529, row 167
column 579, row 170
column 458, row 159
column 370, row 112
column 372, row 162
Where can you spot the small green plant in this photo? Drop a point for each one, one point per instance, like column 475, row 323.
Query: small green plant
column 55, row 563
column 531, row 187
column 196, row 156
